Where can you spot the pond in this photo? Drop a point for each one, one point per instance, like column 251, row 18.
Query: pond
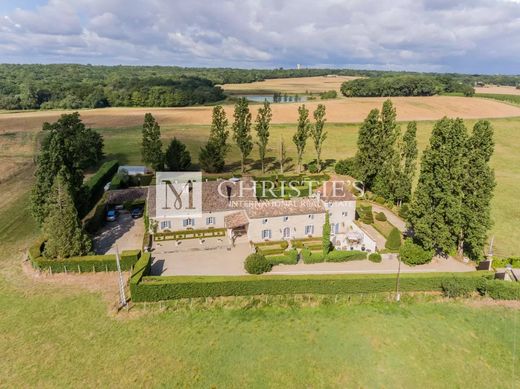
column 273, row 98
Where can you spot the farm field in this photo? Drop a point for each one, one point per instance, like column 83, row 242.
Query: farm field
column 495, row 89
column 290, row 85
column 343, row 110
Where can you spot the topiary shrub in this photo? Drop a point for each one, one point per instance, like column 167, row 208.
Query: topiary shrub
column 344, row 256
column 284, row 244
column 375, row 257
column 404, row 211
column 381, row 217
column 257, row 264
column 379, row 200
column 394, row 240
column 413, row 254
column 309, row 257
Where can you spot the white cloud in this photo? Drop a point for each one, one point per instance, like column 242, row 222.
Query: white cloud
column 467, row 35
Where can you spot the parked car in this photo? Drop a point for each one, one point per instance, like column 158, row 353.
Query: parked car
column 111, row 215
column 137, row 212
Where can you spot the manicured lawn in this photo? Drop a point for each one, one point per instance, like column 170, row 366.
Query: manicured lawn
column 383, row 227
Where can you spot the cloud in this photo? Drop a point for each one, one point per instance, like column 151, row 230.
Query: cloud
column 440, row 35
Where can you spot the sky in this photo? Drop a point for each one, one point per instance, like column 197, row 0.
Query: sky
column 466, row 36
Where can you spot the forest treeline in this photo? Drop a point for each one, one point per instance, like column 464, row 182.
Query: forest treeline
column 70, row 86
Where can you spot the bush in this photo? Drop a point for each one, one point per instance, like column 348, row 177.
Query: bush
column 413, row 254
column 176, row 287
column 381, row 217
column 503, row 262
column 256, row 264
column 379, row 200
column 290, row 257
column 455, row 288
column 404, row 211
column 344, row 256
column 503, row 290
column 284, row 244
column 365, row 214
column 375, row 257
column 312, row 167
column 346, row 167
column 393, row 242
column 312, row 257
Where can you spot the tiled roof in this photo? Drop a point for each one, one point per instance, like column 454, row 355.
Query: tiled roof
column 119, row 196
column 236, row 219
column 335, row 191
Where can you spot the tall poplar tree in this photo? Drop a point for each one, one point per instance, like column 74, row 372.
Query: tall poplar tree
column 302, row 133
column 367, row 159
column 282, row 156
column 317, row 133
column 436, row 211
column 62, row 227
column 478, row 191
column 151, row 143
column 408, row 163
column 263, row 120
column 242, row 130
column 219, row 133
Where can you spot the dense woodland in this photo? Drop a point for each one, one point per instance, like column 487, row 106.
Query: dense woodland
column 70, row 86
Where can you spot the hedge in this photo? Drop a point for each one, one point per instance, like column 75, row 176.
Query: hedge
column 503, row 290
column 95, row 219
column 393, row 242
column 375, row 257
column 156, row 288
column 290, row 257
column 270, row 251
column 312, row 257
column 190, row 234
column 141, row 268
column 503, row 262
column 83, row 264
column 344, row 256
column 95, row 184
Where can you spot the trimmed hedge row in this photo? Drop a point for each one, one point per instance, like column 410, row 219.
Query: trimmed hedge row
column 503, row 262
column 141, row 268
column 290, row 257
column 95, row 184
column 156, row 288
column 190, row 234
column 310, row 243
column 84, row 264
column 334, row 256
column 502, row 290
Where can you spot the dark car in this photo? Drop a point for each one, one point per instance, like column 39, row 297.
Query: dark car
column 137, row 212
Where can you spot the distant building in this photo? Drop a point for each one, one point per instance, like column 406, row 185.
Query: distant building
column 134, row 170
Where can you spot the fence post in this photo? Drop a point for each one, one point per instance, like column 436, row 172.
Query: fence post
column 79, row 269
column 93, row 268
column 65, row 267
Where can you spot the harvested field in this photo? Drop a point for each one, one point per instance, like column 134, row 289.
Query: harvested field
column 291, row 85
column 352, row 110
column 501, row 90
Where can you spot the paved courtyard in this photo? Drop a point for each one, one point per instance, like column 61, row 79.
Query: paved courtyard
column 125, row 233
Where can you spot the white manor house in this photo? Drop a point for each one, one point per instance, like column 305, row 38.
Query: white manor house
column 270, row 220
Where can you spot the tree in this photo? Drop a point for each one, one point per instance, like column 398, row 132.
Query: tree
column 408, row 163
column 326, row 235
column 302, row 133
column 367, row 159
column 69, row 146
column 151, row 143
column 317, row 133
column 210, row 158
column 177, row 157
column 282, row 159
column 386, row 175
column 218, row 131
column 435, row 213
column 478, row 191
column 62, row 227
column 263, row 120
column 394, row 240
column 242, row 130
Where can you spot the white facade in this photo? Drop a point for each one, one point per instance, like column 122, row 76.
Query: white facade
column 285, row 227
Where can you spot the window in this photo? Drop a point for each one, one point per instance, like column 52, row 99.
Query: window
column 188, row 222
column 264, row 221
column 266, row 234
column 285, row 218
column 210, row 220
column 309, row 230
column 166, row 225
column 311, row 217
column 344, row 213
column 286, row 232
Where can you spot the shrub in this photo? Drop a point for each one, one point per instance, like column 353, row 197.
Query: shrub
column 284, row 244
column 344, row 256
column 176, row 287
column 413, row 254
column 503, row 290
column 365, row 214
column 270, row 251
column 375, row 257
column 312, row 257
column 379, row 200
column 346, row 167
column 326, row 235
column 290, row 257
column 381, row 217
column 256, row 264
column 404, row 210
column 312, row 167
column 393, row 242
column 454, row 288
